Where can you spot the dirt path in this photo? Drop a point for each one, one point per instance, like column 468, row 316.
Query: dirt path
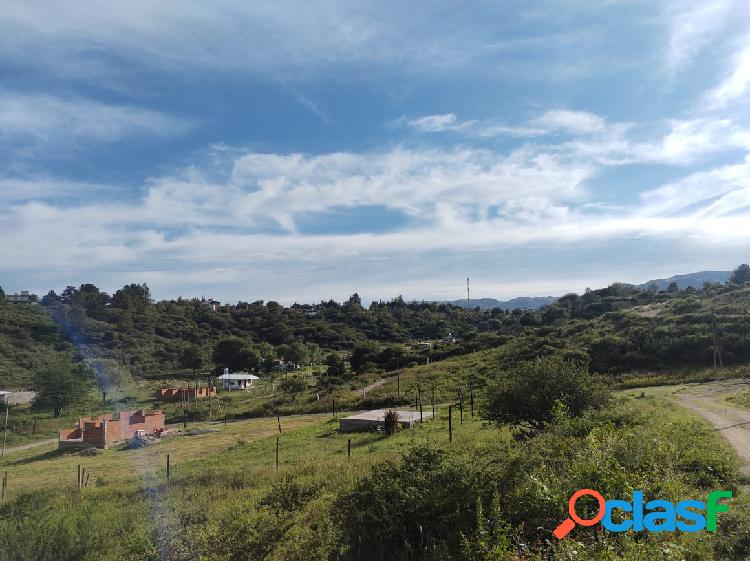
column 30, row 445
column 731, row 422
column 368, row 389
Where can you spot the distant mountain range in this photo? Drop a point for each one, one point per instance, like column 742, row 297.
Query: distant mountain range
column 523, row 303
column 695, row 280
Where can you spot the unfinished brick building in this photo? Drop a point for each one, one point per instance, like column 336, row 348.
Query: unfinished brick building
column 185, row 394
column 105, row 430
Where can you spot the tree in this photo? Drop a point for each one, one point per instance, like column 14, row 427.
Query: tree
column 337, row 366
column 740, row 275
column 673, row 287
column 292, row 386
column 297, row 353
column 364, row 353
column 2, row 295
column 236, row 354
column 191, row 358
column 527, row 395
column 59, row 387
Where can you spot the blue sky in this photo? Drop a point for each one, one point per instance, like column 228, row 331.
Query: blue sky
column 299, row 151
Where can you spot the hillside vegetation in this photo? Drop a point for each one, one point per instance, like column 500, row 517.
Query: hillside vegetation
column 30, row 341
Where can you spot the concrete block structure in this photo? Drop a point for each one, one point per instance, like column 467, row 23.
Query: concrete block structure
column 185, row 394
column 375, row 419
column 12, row 397
column 106, row 430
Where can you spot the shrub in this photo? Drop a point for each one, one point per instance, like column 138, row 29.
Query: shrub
column 527, row 395
column 396, row 514
column 390, row 422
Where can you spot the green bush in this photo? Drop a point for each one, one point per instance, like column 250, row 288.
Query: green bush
column 526, row 396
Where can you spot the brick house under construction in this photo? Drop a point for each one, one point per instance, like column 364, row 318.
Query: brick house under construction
column 185, row 394
column 105, row 430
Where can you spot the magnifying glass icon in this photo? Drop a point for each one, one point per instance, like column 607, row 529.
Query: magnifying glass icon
column 569, row 523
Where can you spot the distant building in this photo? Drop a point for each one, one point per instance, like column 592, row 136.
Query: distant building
column 422, row 346
column 237, row 380
column 23, row 298
column 309, row 311
column 16, row 398
column 105, row 430
column 214, row 304
column 449, row 338
column 185, row 394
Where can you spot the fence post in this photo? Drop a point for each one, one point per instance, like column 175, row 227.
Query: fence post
column 433, row 402
column 349, row 448
column 168, row 467
column 278, row 420
column 5, row 486
column 450, row 423
column 277, row 453
column 79, row 476
column 471, row 398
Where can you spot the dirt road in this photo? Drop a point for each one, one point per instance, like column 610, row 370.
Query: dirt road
column 731, row 422
column 30, row 445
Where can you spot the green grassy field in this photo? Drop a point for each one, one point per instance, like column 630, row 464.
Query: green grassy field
column 226, row 499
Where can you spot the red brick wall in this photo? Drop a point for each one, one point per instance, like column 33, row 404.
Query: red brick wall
column 178, row 394
column 104, row 430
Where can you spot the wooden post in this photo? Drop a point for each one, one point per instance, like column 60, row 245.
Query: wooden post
column 433, row 402
column 5, row 486
column 717, row 345
column 79, row 476
column 168, row 467
column 420, row 411
column 184, row 418
column 86, row 484
column 471, row 399
column 450, row 423
column 277, row 452
column 225, row 420
column 5, row 433
column 349, row 448
column 278, row 420
column 33, row 429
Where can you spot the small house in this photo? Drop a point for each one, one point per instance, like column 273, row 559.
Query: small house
column 25, row 297
column 237, row 380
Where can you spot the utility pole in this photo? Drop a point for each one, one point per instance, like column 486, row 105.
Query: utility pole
column 468, row 300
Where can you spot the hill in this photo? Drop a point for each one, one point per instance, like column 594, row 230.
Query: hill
column 29, row 341
column 696, row 280
column 520, row 303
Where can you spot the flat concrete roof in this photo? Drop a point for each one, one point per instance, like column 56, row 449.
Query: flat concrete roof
column 379, row 415
column 375, row 418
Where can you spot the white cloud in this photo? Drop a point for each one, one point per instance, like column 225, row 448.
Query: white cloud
column 44, row 119
column 575, row 122
column 736, row 83
column 693, row 26
column 437, row 123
